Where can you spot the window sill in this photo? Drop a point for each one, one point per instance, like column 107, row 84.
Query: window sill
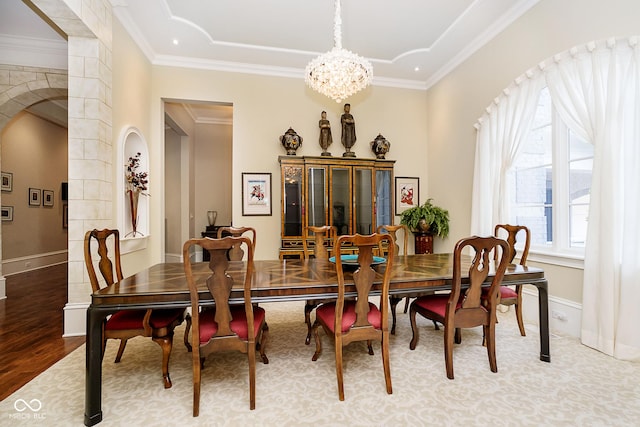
column 132, row 244
column 560, row 259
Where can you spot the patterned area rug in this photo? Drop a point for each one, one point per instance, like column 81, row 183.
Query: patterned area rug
column 580, row 387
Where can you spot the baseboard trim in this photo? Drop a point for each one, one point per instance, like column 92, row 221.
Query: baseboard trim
column 172, row 257
column 75, row 319
column 565, row 316
column 33, row 262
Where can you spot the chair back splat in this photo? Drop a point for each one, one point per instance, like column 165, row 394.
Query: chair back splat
column 236, row 253
column 393, row 230
column 225, row 325
column 347, row 320
column 466, row 308
column 320, row 234
column 125, row 324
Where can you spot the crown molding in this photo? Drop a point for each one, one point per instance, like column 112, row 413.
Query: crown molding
column 33, row 52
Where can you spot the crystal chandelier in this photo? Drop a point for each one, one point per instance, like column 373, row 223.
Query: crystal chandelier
column 338, row 73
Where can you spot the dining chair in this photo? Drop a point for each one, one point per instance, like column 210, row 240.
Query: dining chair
column 125, row 324
column 236, row 253
column 223, row 326
column 393, row 231
column 509, row 296
column 320, row 251
column 464, row 308
column 357, row 319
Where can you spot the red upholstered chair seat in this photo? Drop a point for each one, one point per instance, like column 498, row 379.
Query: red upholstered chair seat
column 507, row 293
column 327, row 313
column 435, row 303
column 209, row 327
column 132, row 319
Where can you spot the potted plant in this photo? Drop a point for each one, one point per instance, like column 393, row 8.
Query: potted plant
column 426, row 219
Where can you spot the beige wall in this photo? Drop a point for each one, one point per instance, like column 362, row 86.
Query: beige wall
column 459, row 99
column 35, row 152
column 172, row 176
column 130, row 100
column 213, row 174
column 265, row 107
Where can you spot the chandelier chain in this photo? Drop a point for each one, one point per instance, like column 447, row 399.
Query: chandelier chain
column 337, row 26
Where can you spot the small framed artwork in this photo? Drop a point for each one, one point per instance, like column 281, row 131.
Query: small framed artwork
column 407, row 193
column 65, row 216
column 34, row 196
column 7, row 181
column 256, row 194
column 47, row 197
column 7, row 213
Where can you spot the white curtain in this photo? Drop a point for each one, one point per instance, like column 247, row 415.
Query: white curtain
column 501, row 132
column 596, row 91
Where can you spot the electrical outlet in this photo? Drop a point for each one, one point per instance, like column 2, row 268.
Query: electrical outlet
column 559, row 315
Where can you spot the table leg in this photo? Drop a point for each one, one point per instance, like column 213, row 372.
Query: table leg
column 393, row 302
column 93, row 376
column 543, row 315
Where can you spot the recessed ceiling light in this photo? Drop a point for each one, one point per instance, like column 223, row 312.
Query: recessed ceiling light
column 176, row 42
column 416, row 69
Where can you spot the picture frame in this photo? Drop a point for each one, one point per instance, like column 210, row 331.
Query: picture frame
column 6, row 213
column 35, row 195
column 407, row 193
column 256, row 194
column 7, row 181
column 65, row 216
column 47, row 198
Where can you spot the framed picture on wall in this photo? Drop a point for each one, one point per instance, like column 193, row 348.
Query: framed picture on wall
column 407, row 193
column 6, row 213
column 47, row 197
column 256, row 193
column 34, row 196
column 7, row 181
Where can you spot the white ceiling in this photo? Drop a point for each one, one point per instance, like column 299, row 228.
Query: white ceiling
column 282, row 36
column 410, row 43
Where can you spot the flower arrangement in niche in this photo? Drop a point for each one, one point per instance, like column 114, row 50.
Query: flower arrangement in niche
column 136, row 183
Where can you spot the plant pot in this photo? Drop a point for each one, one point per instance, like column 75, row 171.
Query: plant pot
column 423, row 227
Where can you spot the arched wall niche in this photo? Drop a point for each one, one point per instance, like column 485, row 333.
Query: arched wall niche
column 130, row 143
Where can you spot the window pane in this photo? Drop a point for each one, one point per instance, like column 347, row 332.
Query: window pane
column 533, row 203
column 579, row 218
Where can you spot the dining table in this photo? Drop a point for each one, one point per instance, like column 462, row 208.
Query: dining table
column 164, row 285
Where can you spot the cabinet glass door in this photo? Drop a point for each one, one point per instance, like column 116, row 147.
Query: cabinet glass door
column 317, row 196
column 341, row 199
column 292, row 203
column 384, row 201
column 363, row 188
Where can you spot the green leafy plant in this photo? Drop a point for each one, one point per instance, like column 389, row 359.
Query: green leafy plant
column 436, row 219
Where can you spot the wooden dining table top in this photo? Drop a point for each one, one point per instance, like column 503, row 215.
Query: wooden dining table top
column 293, row 279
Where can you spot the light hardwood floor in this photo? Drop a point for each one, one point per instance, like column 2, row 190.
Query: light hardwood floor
column 31, row 326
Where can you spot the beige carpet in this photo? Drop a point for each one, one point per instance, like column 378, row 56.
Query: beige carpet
column 580, row 387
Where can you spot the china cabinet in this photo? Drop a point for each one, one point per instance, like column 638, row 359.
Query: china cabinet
column 354, row 195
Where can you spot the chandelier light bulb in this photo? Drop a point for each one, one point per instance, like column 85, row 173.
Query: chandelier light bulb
column 338, row 73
